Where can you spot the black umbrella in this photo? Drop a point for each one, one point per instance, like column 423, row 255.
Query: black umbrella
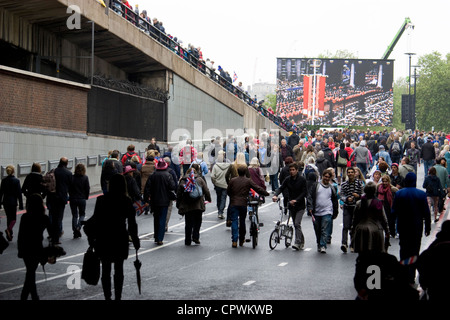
column 137, row 265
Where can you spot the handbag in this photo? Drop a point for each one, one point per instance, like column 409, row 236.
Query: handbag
column 342, row 162
column 3, row 243
column 91, row 267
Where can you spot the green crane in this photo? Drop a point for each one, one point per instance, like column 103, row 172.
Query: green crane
column 406, row 24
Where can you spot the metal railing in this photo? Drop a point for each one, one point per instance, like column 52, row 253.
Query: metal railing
column 192, row 58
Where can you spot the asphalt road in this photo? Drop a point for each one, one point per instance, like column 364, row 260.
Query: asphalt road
column 212, row 270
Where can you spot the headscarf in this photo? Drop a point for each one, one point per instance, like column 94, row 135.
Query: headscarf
column 385, row 194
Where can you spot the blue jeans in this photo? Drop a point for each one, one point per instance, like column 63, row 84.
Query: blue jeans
column 159, row 223
column 362, row 167
column 78, row 208
column 237, row 216
column 221, row 199
column 427, row 164
column 274, row 181
column 322, row 230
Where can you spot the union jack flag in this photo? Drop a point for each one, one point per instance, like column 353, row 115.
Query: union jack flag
column 234, row 77
column 139, row 207
column 409, row 261
column 190, row 183
column 253, row 194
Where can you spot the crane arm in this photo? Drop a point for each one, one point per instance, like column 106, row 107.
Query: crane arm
column 406, row 24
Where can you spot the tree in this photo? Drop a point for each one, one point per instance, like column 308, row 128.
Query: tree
column 270, row 102
column 433, row 92
column 339, row 54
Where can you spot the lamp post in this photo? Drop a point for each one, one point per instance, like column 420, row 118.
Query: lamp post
column 414, row 98
column 409, row 88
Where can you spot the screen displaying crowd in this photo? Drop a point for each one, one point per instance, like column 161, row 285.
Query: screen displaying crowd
column 348, row 92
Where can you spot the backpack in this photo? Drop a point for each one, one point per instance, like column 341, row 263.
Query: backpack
column 128, row 159
column 395, row 148
column 308, row 169
column 49, row 181
column 195, row 191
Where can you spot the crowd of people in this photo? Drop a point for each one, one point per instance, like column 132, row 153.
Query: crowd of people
column 318, row 173
column 193, row 55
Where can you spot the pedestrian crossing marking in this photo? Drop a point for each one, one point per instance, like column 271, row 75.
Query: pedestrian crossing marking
column 249, row 283
column 282, row 264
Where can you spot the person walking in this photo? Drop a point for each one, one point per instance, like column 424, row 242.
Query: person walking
column 351, row 191
column 218, row 173
column 78, row 194
column 10, row 196
column 361, row 154
column 33, row 223
column 370, row 225
column 192, row 208
column 386, row 193
column 33, row 182
column 109, row 230
column 157, row 193
column 295, row 188
column 56, row 202
column 410, row 208
column 431, row 261
column 428, row 155
column 323, row 208
column 433, row 189
column 238, row 190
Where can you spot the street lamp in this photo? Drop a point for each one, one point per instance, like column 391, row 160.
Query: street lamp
column 414, row 99
column 409, row 84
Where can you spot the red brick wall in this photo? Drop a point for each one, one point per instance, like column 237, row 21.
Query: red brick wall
column 31, row 101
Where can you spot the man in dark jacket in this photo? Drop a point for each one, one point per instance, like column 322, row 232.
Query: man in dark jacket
column 157, row 190
column 410, row 208
column 296, row 192
column 428, row 154
column 238, row 190
column 56, row 202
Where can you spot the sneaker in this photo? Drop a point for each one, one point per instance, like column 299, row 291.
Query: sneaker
column 196, row 241
column 344, row 248
column 323, row 250
column 221, row 216
column 296, row 247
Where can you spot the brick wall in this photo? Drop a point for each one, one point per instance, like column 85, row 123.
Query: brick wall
column 28, row 99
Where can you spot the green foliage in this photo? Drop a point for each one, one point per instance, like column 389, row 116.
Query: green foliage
column 433, row 92
column 270, row 102
column 339, row 54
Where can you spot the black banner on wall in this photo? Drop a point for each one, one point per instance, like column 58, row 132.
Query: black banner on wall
column 119, row 114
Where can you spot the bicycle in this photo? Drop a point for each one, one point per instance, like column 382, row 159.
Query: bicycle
column 281, row 230
column 254, row 202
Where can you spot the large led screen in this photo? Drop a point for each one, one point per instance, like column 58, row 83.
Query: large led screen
column 335, row 92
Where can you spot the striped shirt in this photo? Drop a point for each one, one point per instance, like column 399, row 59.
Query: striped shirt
column 348, row 188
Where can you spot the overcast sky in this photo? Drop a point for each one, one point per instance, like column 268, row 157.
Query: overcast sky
column 247, row 36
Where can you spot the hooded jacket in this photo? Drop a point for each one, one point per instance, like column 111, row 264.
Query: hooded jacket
column 218, row 175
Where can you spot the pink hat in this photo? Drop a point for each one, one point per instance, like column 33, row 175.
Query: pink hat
column 128, row 169
column 161, row 165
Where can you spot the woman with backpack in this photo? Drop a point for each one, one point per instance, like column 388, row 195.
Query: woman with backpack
column 192, row 207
